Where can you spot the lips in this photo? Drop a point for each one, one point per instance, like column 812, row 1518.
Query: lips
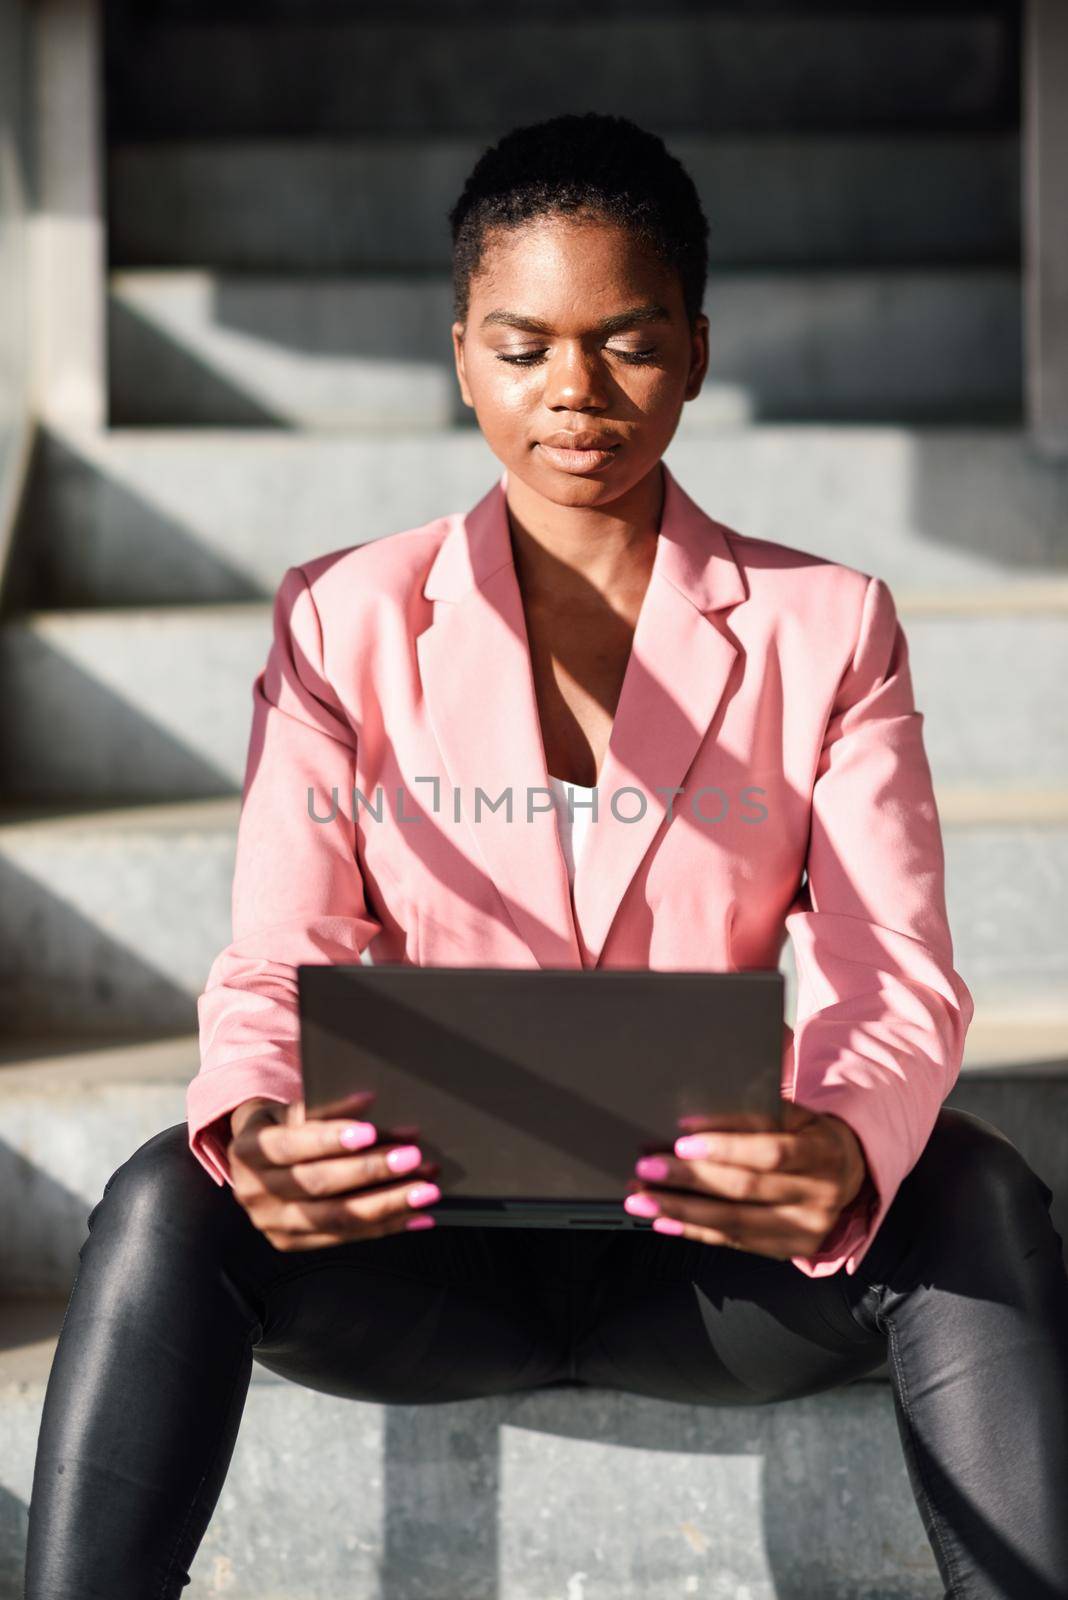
column 571, row 459
column 581, row 441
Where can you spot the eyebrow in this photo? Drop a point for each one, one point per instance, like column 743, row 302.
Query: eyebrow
column 612, row 324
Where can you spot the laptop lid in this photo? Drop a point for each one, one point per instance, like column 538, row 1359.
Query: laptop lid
column 538, row 1088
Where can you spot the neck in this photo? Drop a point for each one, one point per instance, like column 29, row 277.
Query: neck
column 568, row 553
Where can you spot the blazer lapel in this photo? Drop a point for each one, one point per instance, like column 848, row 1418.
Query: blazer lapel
column 478, row 684
column 676, row 677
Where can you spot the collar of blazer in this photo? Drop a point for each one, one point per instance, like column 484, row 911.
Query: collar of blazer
column 479, row 691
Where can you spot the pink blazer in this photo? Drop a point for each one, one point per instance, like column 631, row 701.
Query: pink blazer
column 766, row 775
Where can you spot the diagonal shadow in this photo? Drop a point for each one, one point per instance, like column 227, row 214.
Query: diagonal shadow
column 50, row 566
column 369, row 351
column 87, row 739
column 182, row 385
column 108, row 967
column 366, row 351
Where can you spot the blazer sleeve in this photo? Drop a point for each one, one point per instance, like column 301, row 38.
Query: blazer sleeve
column 298, row 894
column 881, row 1013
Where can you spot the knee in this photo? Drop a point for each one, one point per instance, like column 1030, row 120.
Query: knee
column 161, row 1189
column 974, row 1183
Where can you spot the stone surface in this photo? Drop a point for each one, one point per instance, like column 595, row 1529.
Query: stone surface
column 332, row 205
column 375, row 351
column 188, row 516
column 525, row 1496
column 150, row 703
column 399, row 67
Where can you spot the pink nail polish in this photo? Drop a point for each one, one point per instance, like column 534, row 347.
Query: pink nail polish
column 654, row 1168
column 405, row 1158
column 357, row 1135
column 692, row 1146
column 420, row 1222
column 423, row 1194
column 667, row 1225
column 641, row 1205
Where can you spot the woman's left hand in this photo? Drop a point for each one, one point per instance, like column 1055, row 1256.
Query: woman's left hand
column 776, row 1192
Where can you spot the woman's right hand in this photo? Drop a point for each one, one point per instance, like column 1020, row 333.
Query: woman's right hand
column 308, row 1182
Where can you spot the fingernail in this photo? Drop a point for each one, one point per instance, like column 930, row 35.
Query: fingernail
column 423, row 1194
column 692, row 1144
column 420, row 1222
column 641, row 1205
column 358, row 1134
column 404, row 1159
column 667, row 1225
column 652, row 1167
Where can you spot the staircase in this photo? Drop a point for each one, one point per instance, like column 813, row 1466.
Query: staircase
column 280, row 384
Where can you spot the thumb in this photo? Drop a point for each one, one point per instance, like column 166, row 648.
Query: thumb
column 344, row 1106
column 796, row 1117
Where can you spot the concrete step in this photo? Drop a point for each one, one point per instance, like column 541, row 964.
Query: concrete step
column 71, row 1110
column 137, row 516
column 399, row 69
column 222, row 349
column 336, row 204
column 591, row 1494
column 110, row 919
column 155, row 702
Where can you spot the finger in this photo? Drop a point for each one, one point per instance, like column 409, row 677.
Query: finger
column 343, row 1174
column 283, row 1144
column 732, row 1182
column 275, row 1111
column 790, row 1230
column 344, row 1105
column 737, row 1121
column 671, row 1215
column 795, row 1116
column 338, row 1213
column 671, row 1227
column 359, row 1106
column 761, row 1151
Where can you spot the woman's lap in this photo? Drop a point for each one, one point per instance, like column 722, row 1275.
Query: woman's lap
column 458, row 1312
column 449, row 1313
column 454, row 1312
column 178, row 1293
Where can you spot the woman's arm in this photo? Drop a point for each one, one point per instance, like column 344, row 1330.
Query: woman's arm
column 298, row 896
column 881, row 1013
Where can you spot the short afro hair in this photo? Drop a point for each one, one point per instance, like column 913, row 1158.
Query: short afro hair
column 589, row 163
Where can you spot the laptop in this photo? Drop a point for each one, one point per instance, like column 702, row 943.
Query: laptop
column 537, row 1089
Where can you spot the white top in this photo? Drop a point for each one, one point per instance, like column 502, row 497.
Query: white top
column 572, row 832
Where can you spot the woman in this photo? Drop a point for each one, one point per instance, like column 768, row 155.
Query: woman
column 584, row 627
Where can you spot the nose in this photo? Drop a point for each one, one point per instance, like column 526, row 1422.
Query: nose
column 575, row 379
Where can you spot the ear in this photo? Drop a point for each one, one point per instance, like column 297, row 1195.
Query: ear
column 458, row 354
column 698, row 358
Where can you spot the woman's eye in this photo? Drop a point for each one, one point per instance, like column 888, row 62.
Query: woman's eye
column 531, row 357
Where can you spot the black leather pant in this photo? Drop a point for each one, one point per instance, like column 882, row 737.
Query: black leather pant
column 963, row 1292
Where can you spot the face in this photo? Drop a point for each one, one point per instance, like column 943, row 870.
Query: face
column 577, row 335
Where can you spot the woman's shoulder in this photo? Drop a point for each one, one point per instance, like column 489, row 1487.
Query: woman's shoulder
column 377, row 570
column 792, row 564
column 787, row 579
